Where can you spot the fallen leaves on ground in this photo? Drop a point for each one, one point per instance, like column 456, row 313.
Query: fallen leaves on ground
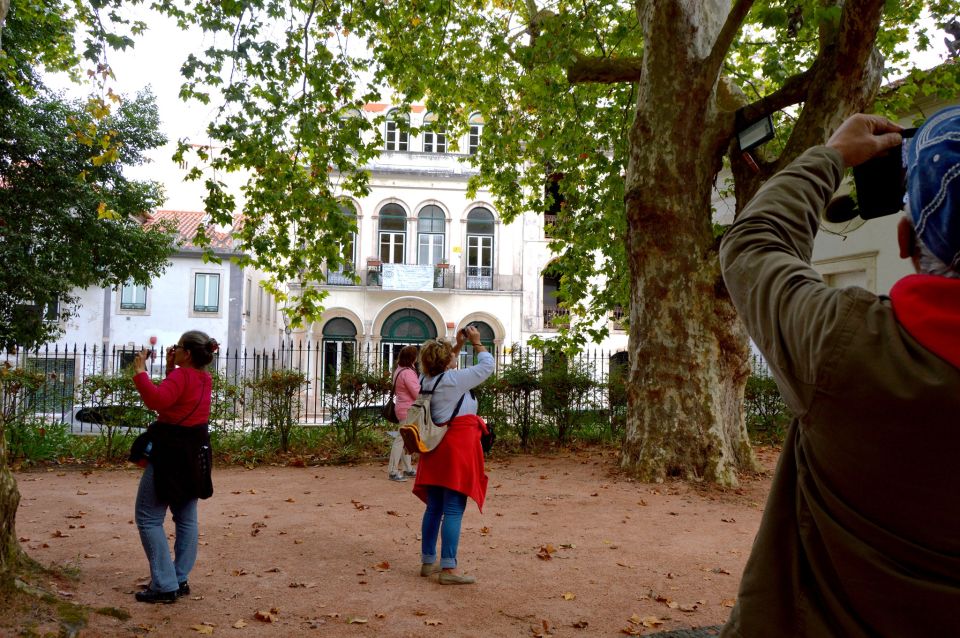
column 546, row 552
column 239, row 572
column 240, row 624
column 203, row 628
column 267, row 616
column 357, row 621
column 569, row 595
column 360, row 506
column 382, row 566
column 580, row 624
column 432, row 623
column 542, row 631
column 393, row 513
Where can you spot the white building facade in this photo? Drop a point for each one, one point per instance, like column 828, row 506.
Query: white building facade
column 223, row 300
column 428, row 260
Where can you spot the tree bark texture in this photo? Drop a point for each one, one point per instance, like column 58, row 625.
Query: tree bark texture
column 689, row 354
column 11, row 555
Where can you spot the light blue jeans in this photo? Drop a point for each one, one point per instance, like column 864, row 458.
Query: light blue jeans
column 442, row 518
column 166, row 574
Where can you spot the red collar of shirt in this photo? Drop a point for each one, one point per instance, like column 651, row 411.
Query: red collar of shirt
column 928, row 307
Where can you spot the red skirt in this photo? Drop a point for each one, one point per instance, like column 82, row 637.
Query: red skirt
column 457, row 463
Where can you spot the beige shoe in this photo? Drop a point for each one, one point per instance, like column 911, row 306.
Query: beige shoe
column 427, row 569
column 449, row 578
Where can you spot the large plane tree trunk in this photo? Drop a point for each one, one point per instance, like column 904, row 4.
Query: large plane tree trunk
column 689, row 353
column 690, row 358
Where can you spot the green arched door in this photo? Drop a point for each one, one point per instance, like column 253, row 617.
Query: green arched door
column 403, row 328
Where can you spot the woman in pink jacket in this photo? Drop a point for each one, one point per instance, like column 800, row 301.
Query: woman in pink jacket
column 407, row 384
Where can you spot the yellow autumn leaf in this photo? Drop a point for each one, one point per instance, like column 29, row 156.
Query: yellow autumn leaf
column 202, row 629
column 569, row 596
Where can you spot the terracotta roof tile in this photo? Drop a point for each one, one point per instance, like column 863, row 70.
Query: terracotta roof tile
column 187, row 223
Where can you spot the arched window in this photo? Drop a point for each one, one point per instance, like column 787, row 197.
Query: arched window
column 339, row 350
column 392, row 233
column 476, row 131
column 480, row 225
column 431, row 229
column 434, row 137
column 396, row 133
column 341, row 274
column 467, row 356
column 403, row 328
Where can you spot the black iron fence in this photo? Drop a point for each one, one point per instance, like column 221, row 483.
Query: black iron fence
column 589, row 383
column 529, row 387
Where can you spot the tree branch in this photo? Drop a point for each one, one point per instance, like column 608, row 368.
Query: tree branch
column 729, row 31
column 604, row 70
column 793, row 91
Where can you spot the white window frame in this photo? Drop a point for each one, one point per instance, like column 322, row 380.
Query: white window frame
column 394, row 138
column 480, row 240
column 394, row 239
column 147, row 301
column 194, row 312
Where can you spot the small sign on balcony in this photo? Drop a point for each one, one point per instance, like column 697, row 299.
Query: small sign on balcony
column 408, row 277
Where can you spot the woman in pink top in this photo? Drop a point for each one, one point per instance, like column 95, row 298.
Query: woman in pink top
column 407, row 384
column 177, row 457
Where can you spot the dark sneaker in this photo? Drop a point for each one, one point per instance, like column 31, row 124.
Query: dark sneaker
column 184, row 589
column 397, row 477
column 410, row 473
column 151, row 596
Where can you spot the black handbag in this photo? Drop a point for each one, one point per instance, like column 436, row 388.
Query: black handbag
column 389, row 410
column 488, row 438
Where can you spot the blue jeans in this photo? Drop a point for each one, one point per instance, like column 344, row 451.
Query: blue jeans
column 443, row 516
column 166, row 574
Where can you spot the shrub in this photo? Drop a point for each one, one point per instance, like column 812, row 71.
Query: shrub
column 276, row 401
column 112, row 401
column 767, row 415
column 517, row 383
column 564, row 387
column 224, row 400
column 16, row 384
column 358, row 392
column 34, row 439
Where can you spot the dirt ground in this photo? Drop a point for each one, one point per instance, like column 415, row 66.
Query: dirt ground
column 565, row 547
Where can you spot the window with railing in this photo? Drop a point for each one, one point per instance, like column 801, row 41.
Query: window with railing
column 480, row 228
column 342, row 274
column 392, row 234
column 619, row 316
column 553, row 203
column 554, row 316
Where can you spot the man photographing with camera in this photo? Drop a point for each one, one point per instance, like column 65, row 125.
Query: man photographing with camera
column 861, row 532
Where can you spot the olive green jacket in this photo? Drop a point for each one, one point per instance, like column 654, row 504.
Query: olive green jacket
column 861, row 532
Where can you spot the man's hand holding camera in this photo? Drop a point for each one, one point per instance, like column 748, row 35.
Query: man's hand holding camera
column 862, row 137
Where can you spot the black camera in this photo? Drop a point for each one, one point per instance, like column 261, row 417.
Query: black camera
column 880, row 185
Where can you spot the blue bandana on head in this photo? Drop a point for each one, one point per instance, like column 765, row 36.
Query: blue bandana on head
column 932, row 160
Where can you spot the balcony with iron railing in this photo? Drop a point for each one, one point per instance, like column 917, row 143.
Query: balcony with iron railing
column 619, row 318
column 555, row 317
column 416, row 277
